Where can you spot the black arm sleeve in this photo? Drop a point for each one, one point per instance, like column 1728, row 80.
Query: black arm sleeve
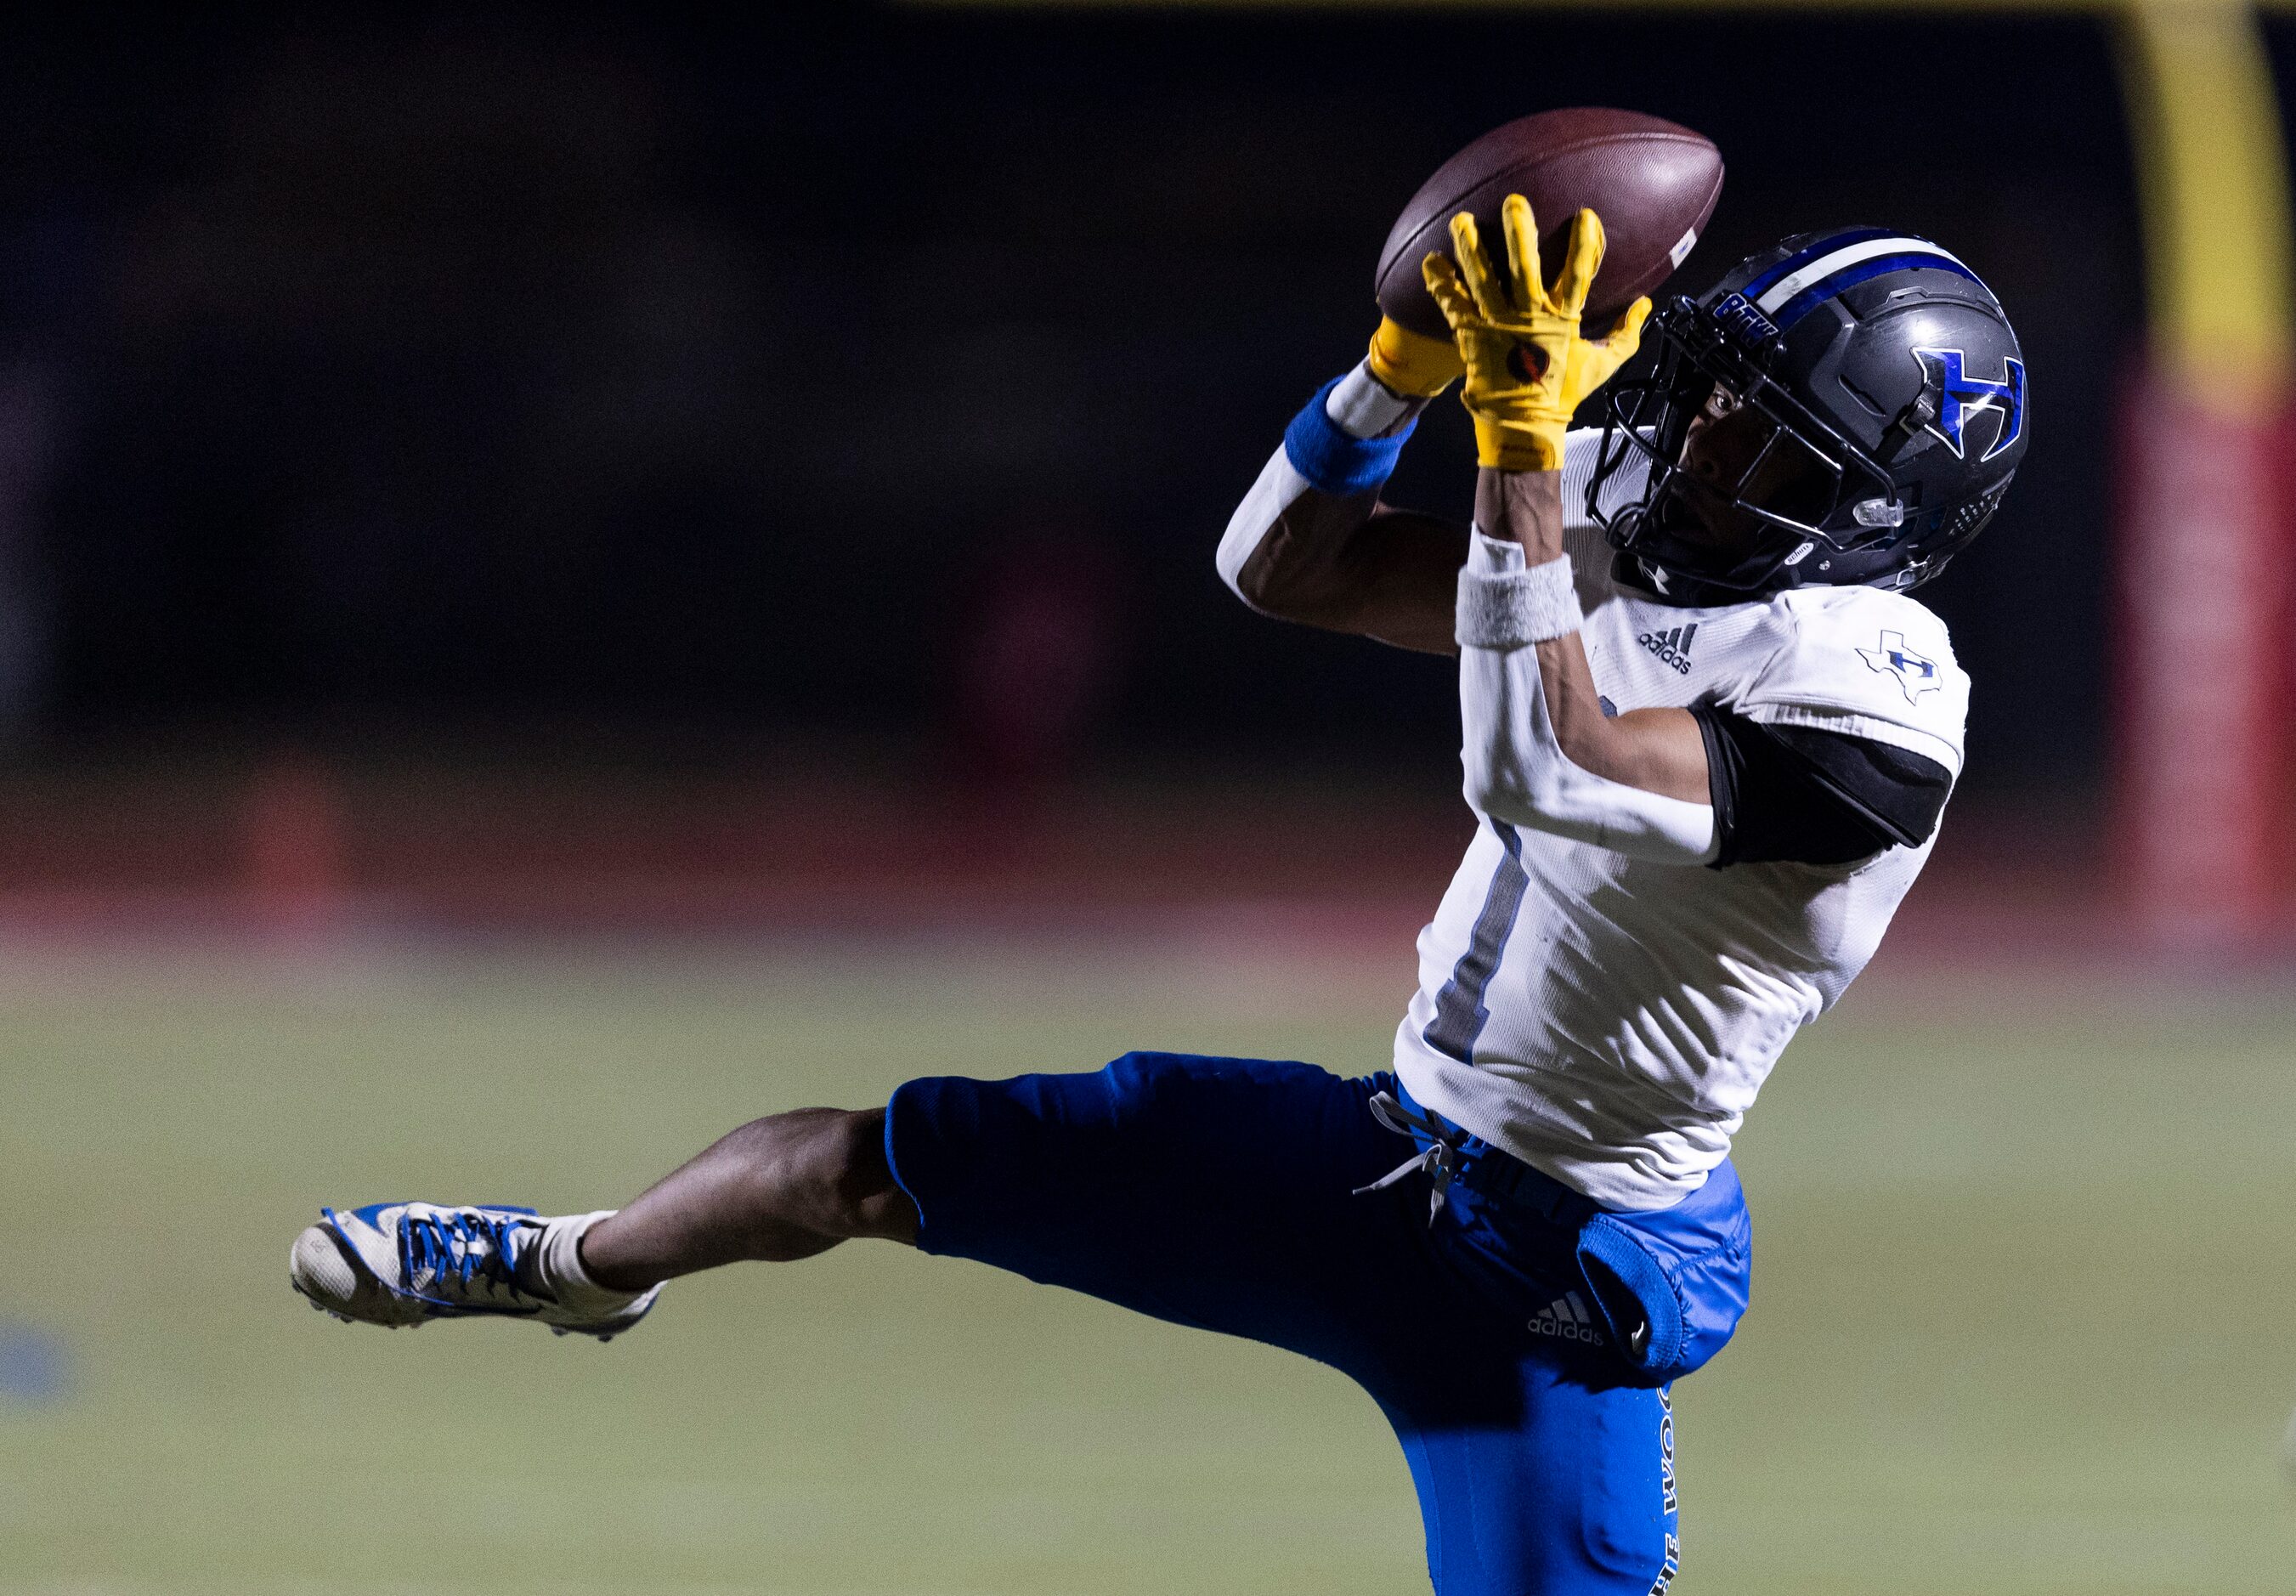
column 1813, row 797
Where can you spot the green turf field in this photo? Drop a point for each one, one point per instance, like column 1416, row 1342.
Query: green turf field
column 2025, row 1318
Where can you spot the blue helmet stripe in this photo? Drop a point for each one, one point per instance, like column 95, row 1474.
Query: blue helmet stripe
column 1835, row 262
column 1848, row 278
column 1771, row 277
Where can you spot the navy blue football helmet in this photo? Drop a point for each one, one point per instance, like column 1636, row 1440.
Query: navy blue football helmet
column 1862, row 405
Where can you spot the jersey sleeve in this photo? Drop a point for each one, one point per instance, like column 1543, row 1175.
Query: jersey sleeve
column 1864, row 663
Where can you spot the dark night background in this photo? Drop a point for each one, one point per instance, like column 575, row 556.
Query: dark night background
column 885, row 375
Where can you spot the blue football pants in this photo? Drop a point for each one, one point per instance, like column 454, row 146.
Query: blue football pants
column 1216, row 1192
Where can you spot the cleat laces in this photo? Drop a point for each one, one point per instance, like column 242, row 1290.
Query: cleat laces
column 477, row 1252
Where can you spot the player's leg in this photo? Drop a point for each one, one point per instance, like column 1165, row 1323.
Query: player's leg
column 1533, row 1475
column 1221, row 1193
column 1212, row 1192
column 779, row 1188
column 1542, row 1462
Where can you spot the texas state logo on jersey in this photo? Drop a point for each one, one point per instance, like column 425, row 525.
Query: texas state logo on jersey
column 1916, row 673
column 1860, row 661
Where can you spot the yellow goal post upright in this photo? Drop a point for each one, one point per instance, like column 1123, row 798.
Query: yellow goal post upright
column 2204, row 455
column 2207, row 515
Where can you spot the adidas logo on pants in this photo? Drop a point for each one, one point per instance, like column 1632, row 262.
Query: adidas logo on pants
column 1566, row 1319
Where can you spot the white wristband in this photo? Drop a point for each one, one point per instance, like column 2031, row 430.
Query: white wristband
column 1509, row 609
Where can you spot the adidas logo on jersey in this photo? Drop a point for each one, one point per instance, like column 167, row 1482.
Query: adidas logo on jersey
column 1566, row 1319
column 1672, row 645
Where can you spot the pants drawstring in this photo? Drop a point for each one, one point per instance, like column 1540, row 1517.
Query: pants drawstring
column 1440, row 1160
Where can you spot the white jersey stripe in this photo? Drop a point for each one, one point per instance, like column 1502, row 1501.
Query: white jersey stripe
column 1840, row 259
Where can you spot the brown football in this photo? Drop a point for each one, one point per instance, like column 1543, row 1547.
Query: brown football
column 1653, row 183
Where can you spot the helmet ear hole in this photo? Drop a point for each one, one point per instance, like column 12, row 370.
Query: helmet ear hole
column 1967, row 521
column 1964, row 521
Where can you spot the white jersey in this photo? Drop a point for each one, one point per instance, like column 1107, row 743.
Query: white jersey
column 1609, row 1019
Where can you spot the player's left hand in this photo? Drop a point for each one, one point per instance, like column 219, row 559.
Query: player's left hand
column 1412, row 363
column 1527, row 366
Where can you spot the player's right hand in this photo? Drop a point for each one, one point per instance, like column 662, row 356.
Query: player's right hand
column 1412, row 363
column 1527, row 366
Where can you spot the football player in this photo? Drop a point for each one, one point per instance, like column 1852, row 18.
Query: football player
column 1706, row 736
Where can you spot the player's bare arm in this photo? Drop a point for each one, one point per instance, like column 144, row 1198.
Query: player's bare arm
column 1538, row 749
column 1659, row 751
column 1316, row 543
column 1354, row 564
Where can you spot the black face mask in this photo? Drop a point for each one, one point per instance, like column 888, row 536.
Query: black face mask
column 1743, row 483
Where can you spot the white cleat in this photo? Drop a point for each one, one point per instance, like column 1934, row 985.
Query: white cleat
column 407, row 1263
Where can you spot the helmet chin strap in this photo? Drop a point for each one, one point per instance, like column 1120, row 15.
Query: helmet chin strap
column 1913, row 574
column 1689, row 585
column 1909, row 423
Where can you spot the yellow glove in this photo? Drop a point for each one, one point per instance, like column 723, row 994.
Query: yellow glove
column 1527, row 366
column 1410, row 362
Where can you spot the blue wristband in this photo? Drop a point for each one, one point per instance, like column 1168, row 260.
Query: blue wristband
column 1333, row 460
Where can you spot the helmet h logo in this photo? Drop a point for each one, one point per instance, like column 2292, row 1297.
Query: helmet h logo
column 1966, row 396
